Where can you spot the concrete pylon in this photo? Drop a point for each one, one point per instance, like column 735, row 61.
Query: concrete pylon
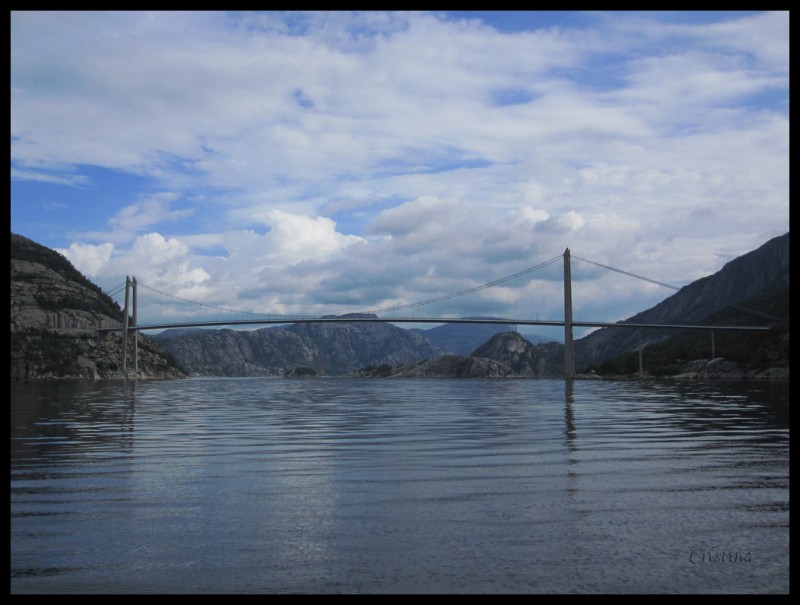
column 569, row 354
column 125, row 327
column 135, row 332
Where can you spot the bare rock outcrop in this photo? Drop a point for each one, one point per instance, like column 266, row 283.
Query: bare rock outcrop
column 456, row 366
column 522, row 356
column 56, row 314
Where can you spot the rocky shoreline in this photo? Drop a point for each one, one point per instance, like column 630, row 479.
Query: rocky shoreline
column 466, row 366
column 86, row 356
column 721, row 368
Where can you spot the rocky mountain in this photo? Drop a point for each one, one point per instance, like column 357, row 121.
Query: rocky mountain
column 730, row 354
column 462, row 339
column 455, row 366
column 333, row 349
column 55, row 313
column 761, row 271
column 522, row 356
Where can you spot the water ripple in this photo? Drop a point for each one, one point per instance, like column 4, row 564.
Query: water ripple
column 349, row 486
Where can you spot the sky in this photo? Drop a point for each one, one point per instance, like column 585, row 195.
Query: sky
column 328, row 162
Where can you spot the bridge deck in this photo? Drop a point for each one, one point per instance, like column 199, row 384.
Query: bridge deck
column 436, row 320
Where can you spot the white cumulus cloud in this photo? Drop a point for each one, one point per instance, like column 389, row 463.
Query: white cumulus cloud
column 87, row 258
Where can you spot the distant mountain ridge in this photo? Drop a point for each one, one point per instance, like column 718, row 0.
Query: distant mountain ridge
column 462, row 339
column 327, row 348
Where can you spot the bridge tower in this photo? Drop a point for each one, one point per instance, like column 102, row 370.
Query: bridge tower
column 135, row 332
column 569, row 357
column 125, row 326
column 130, row 285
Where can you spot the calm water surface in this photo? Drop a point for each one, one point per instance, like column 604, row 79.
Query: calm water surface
column 399, row 486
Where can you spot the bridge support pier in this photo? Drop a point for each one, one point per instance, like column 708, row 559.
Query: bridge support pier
column 569, row 357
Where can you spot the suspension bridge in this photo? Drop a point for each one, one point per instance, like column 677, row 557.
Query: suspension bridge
column 166, row 311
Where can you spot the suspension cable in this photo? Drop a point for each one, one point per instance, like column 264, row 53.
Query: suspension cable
column 652, row 281
column 470, row 290
column 115, row 290
column 199, row 304
column 496, row 282
column 740, row 307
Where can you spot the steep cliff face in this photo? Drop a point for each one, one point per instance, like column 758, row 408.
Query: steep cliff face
column 328, row 348
column 522, row 356
column 55, row 313
column 762, row 270
column 48, row 293
column 86, row 356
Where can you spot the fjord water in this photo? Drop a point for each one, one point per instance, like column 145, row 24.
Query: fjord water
column 399, row 486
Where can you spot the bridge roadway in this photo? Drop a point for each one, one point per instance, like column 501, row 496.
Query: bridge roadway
column 435, row 320
column 568, row 323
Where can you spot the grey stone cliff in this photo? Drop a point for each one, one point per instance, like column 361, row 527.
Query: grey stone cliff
column 55, row 313
column 332, row 349
column 523, row 357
